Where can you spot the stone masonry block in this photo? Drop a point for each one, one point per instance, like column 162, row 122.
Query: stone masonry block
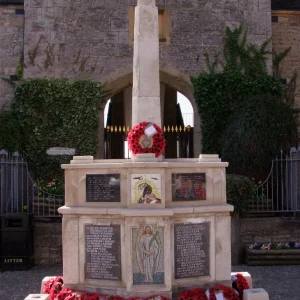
column 74, row 23
column 38, row 297
column 119, row 25
column 256, row 294
column 264, row 5
column 38, row 3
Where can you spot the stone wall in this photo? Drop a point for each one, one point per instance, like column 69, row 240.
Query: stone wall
column 286, row 33
column 11, row 48
column 47, row 242
column 265, row 230
column 247, row 231
column 90, row 39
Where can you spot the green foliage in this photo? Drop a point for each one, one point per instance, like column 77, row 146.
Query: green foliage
column 290, row 90
column 20, row 68
column 241, row 117
column 277, row 59
column 56, row 113
column 217, row 96
column 241, row 56
column 240, row 190
column 257, row 130
column 10, row 135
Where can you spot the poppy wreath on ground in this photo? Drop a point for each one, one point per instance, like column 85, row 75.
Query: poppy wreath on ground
column 240, row 284
column 229, row 293
column 139, row 142
column 54, row 287
column 156, row 297
column 194, row 294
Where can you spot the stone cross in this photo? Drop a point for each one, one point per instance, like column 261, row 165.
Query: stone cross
column 146, row 83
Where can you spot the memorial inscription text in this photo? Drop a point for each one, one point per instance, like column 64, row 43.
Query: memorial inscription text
column 191, row 250
column 103, row 188
column 103, row 252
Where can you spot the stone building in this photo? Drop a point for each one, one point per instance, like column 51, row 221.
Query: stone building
column 93, row 39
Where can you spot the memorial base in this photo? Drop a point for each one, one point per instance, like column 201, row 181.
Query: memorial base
column 138, row 228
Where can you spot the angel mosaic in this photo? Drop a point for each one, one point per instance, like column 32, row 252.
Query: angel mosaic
column 148, row 251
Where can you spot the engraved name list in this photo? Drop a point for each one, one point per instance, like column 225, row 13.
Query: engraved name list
column 103, row 252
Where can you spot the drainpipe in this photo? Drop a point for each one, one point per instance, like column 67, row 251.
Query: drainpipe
column 7, row 2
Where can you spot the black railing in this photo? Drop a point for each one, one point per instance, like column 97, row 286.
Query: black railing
column 18, row 191
column 179, row 140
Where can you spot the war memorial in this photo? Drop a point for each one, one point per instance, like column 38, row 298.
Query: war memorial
column 147, row 225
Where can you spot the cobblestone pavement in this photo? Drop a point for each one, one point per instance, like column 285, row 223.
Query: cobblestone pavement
column 281, row 282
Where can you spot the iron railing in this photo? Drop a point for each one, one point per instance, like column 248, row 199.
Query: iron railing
column 280, row 192
column 179, row 142
column 18, row 191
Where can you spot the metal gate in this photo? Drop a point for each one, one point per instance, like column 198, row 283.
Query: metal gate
column 280, row 192
column 18, row 191
column 180, row 142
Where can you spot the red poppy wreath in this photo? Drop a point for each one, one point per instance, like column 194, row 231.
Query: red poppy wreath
column 146, row 137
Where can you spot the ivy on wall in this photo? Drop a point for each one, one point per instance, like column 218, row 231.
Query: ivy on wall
column 10, row 134
column 240, row 75
column 258, row 129
column 217, row 96
column 56, row 113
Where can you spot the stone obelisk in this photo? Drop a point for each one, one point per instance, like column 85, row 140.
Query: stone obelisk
column 146, row 83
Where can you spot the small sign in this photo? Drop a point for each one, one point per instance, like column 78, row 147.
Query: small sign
column 219, row 295
column 55, row 151
column 150, row 130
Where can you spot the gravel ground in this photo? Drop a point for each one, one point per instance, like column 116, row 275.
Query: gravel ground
column 281, row 282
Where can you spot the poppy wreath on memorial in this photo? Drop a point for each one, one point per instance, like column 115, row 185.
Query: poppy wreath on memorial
column 193, row 294
column 229, row 293
column 240, row 284
column 139, row 142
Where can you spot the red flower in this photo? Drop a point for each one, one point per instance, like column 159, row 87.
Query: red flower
column 115, row 298
column 240, row 284
column 228, row 292
column 135, row 134
column 194, row 294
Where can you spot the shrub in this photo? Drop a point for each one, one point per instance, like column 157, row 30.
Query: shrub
column 10, row 135
column 56, row 113
column 243, row 73
column 240, row 190
column 256, row 131
column 217, row 97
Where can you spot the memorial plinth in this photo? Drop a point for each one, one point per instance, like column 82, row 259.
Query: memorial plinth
column 143, row 227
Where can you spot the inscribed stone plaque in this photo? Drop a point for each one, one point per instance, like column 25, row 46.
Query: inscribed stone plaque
column 103, row 252
column 191, row 250
column 188, row 187
column 148, row 255
column 103, row 188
